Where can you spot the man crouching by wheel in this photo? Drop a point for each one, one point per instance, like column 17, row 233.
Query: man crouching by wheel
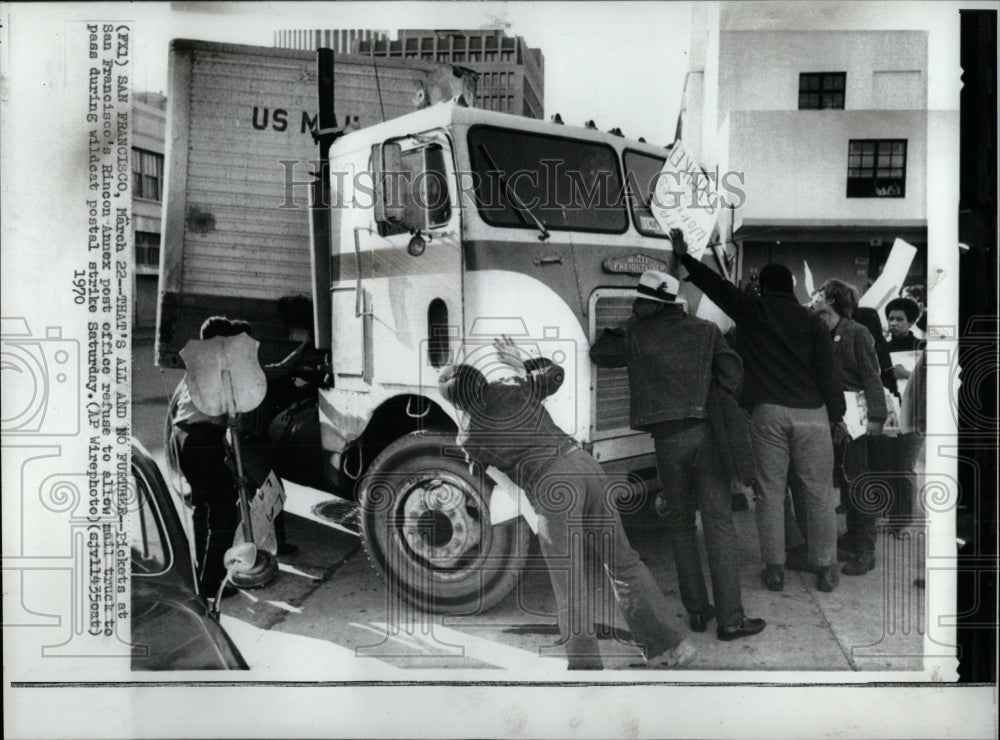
column 509, row 428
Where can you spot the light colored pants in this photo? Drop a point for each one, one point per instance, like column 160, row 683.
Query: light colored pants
column 576, row 519
column 794, row 447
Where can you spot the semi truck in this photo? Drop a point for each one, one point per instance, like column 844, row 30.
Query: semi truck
column 421, row 239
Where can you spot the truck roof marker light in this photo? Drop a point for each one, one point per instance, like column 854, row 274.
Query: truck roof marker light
column 642, row 139
column 616, row 132
column 557, row 119
column 590, row 124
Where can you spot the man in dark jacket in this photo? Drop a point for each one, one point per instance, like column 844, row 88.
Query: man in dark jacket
column 680, row 372
column 508, row 427
column 791, row 375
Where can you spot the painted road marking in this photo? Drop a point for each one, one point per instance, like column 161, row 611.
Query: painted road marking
column 295, row 571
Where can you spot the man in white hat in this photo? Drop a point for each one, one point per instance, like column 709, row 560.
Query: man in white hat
column 682, row 377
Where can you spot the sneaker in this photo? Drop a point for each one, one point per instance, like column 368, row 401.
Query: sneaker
column 773, row 577
column 679, row 657
column 745, row 628
column 827, row 578
column 860, row 564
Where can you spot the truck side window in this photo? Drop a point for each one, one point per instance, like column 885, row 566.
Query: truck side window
column 423, row 190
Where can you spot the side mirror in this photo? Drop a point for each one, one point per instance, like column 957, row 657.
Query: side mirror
column 387, row 163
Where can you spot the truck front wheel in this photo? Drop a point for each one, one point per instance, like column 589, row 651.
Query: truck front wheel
column 425, row 525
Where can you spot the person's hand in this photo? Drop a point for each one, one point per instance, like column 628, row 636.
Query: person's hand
column 839, row 432
column 874, row 428
column 901, row 372
column 509, row 353
column 677, row 240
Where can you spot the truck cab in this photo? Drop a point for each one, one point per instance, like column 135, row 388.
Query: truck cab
column 448, row 228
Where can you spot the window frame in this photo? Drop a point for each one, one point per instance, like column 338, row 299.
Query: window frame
column 821, row 91
column 859, row 184
column 143, row 179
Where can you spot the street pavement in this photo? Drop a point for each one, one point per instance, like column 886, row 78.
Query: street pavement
column 328, row 616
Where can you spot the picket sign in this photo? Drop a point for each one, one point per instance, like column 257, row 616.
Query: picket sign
column 685, row 198
column 891, row 280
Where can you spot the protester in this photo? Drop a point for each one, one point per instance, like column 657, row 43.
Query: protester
column 916, row 294
column 855, row 352
column 901, row 313
column 201, row 440
column 508, row 427
column 868, row 318
column 684, row 380
column 793, row 390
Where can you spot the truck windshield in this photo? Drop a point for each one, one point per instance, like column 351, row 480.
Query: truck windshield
column 640, row 173
column 566, row 184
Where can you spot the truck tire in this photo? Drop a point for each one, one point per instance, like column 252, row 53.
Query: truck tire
column 425, row 526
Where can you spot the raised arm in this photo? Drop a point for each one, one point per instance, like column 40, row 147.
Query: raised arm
column 723, row 293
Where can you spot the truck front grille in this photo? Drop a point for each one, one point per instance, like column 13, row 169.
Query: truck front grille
column 611, row 401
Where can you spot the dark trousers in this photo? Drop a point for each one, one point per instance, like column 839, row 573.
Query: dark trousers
column 685, row 489
column 214, row 498
column 865, row 497
column 577, row 524
column 904, row 452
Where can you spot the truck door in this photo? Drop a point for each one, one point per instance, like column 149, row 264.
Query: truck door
column 397, row 290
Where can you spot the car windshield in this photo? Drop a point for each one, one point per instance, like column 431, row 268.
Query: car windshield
column 523, row 179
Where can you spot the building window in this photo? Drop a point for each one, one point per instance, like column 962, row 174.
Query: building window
column 442, row 56
column 147, row 249
column 818, row 90
column 876, row 168
column 474, row 56
column 147, row 175
column 458, row 56
column 506, row 56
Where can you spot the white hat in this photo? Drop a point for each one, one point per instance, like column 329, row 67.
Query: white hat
column 658, row 286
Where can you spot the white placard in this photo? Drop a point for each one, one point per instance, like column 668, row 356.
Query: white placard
column 685, row 198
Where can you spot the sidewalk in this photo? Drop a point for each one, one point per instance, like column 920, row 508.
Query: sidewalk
column 874, row 622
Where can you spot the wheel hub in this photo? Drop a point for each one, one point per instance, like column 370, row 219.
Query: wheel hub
column 440, row 522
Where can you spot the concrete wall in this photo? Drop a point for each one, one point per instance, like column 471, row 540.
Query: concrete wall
column 759, row 70
column 796, row 163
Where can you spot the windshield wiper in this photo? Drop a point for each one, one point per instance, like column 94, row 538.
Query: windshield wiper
column 543, row 233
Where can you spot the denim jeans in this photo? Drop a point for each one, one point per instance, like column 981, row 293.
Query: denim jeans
column 686, row 488
column 794, row 449
column 576, row 519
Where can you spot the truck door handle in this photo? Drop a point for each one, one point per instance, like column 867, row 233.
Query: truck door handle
column 551, row 259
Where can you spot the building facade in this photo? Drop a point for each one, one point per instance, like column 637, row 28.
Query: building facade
column 827, row 131
column 341, row 40
column 511, row 74
column 149, row 124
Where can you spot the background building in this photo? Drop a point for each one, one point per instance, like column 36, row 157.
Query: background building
column 511, row 74
column 828, row 127
column 342, row 40
column 149, row 123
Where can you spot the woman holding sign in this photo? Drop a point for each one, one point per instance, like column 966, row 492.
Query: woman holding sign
column 854, row 348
